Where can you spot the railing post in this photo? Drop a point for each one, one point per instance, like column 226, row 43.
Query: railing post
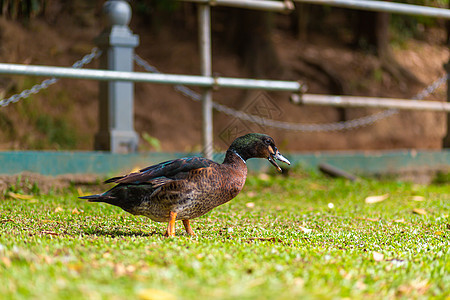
column 446, row 141
column 116, row 112
column 204, row 16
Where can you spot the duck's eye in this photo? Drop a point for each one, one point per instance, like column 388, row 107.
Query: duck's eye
column 267, row 142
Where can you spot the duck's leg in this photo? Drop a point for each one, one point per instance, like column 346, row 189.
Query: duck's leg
column 188, row 228
column 171, row 226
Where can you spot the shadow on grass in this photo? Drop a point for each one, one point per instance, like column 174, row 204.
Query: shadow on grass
column 114, row 232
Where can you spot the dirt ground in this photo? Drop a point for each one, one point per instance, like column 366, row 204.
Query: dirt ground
column 176, row 121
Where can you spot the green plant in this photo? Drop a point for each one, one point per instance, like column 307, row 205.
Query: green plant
column 153, row 142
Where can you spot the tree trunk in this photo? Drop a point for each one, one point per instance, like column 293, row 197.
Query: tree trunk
column 372, row 33
column 251, row 37
column 299, row 21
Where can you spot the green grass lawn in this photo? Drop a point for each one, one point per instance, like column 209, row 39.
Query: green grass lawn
column 297, row 237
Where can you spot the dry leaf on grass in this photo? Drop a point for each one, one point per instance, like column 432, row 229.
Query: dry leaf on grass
column 317, row 187
column 264, row 176
column 152, row 294
column 77, row 211
column 299, row 282
column 81, row 193
column 20, row 196
column 377, row 256
column 419, row 211
column 49, row 232
column 76, row 267
column 250, row 204
column 119, row 269
column 58, row 209
column 272, row 239
column 6, row 261
column 418, row 198
column 305, row 230
column 251, row 194
column 369, row 219
column 376, row 199
column 416, row 286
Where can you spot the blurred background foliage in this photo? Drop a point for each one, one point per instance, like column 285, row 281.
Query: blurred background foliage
column 245, row 33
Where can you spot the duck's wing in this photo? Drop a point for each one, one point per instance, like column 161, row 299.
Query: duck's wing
column 172, row 170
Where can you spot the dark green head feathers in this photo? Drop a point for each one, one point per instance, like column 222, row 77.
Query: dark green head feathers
column 257, row 145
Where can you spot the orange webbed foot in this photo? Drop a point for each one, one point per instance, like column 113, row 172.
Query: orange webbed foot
column 188, row 228
column 171, row 226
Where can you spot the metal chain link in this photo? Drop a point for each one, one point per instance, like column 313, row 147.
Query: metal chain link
column 322, row 127
column 95, row 53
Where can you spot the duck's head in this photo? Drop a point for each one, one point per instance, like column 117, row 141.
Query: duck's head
column 254, row 145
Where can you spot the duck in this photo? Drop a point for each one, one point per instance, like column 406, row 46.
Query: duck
column 187, row 188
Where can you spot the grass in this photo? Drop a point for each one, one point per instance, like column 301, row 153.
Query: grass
column 303, row 236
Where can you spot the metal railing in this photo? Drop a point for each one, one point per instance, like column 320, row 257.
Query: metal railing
column 296, row 99
column 385, row 6
column 268, row 5
column 172, row 79
column 119, row 14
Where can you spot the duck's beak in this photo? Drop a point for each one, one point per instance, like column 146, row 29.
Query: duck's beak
column 277, row 156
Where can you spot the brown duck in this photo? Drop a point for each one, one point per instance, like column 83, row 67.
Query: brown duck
column 187, row 188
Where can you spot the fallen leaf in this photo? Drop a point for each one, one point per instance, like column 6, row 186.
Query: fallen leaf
column 152, row 294
column 81, row 193
column 305, row 230
column 417, row 286
column 250, row 204
column 20, row 196
column 299, row 282
column 49, row 232
column 377, row 256
column 438, row 233
column 360, row 285
column 58, row 209
column 77, row 211
column 251, row 194
column 6, row 261
column 317, row 187
column 376, row 199
column 417, row 198
column 264, row 176
column 345, row 275
column 77, row 267
column 369, row 219
column 119, row 269
column 419, row 211
column 272, row 239
column 130, row 269
column 47, row 259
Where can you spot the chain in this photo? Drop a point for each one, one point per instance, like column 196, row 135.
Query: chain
column 431, row 88
column 47, row 82
column 185, row 91
column 322, row 127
